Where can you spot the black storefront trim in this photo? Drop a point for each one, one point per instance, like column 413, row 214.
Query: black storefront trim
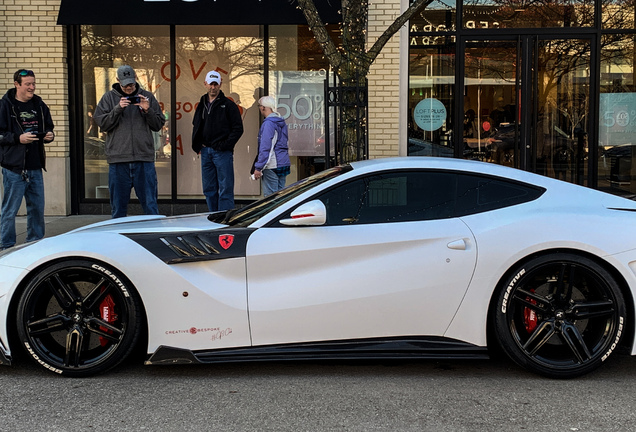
column 192, row 12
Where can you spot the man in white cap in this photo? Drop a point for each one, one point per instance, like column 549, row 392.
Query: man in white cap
column 217, row 127
column 129, row 115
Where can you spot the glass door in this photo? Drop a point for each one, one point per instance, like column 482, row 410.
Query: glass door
column 561, row 108
column 491, row 101
column 526, row 104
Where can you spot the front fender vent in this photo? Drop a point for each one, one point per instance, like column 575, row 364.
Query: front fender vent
column 174, row 248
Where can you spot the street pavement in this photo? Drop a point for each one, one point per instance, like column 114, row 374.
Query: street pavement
column 57, row 224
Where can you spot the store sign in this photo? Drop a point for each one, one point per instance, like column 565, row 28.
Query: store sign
column 300, row 101
column 617, row 122
column 429, row 114
column 190, row 12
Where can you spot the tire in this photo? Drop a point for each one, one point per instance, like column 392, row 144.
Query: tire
column 560, row 315
column 78, row 318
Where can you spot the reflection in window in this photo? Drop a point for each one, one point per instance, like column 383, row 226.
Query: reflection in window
column 618, row 14
column 438, row 16
column 485, row 14
column 489, row 129
column 431, row 100
column 297, row 73
column 617, row 115
column 104, row 49
column 236, row 52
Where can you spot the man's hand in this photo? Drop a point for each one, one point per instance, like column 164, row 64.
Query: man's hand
column 28, row 138
column 144, row 103
column 124, row 102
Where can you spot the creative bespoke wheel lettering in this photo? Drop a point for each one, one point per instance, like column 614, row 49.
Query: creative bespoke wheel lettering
column 560, row 315
column 78, row 318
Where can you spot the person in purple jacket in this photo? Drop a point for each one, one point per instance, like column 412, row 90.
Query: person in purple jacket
column 272, row 163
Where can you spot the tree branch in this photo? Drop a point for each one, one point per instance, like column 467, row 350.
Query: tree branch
column 321, row 34
column 394, row 28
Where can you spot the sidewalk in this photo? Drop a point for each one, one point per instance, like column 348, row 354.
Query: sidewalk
column 57, row 224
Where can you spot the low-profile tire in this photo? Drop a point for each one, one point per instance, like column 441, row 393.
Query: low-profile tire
column 560, row 315
column 78, row 318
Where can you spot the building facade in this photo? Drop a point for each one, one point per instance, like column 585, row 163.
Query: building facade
column 546, row 87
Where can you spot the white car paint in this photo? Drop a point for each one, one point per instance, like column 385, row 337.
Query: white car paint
column 321, row 283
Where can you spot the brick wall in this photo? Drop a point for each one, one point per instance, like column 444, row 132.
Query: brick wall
column 384, row 82
column 31, row 39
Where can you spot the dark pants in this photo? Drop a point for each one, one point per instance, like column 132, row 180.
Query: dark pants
column 122, row 177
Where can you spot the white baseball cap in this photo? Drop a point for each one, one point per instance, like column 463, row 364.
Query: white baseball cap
column 213, row 76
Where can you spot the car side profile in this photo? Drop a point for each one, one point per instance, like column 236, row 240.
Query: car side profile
column 397, row 258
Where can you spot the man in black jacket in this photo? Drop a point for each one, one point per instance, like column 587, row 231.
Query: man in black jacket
column 25, row 125
column 217, row 126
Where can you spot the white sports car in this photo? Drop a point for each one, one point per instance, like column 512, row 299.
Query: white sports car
column 393, row 259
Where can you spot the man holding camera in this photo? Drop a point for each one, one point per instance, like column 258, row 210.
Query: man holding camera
column 129, row 115
column 25, row 126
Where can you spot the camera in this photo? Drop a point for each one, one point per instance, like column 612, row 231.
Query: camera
column 134, row 99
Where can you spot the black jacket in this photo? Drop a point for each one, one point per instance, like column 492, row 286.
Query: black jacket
column 12, row 153
column 226, row 120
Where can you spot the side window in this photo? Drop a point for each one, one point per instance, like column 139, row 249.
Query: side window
column 478, row 194
column 399, row 196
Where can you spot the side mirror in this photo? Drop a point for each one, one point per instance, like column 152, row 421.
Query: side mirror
column 311, row 213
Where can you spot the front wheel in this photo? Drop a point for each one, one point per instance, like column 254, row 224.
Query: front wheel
column 560, row 315
column 78, row 318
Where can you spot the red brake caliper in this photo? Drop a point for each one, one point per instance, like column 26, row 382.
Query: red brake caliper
column 107, row 310
column 530, row 317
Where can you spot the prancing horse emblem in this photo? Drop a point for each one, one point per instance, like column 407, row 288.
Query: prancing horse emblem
column 226, row 240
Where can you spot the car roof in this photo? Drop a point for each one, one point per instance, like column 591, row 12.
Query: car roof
column 448, row 164
column 567, row 192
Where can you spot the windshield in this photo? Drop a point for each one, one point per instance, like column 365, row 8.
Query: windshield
column 247, row 215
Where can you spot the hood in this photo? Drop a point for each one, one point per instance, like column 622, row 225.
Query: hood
column 151, row 224
column 276, row 118
column 117, row 88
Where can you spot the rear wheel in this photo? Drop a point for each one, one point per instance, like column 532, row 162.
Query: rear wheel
column 78, row 318
column 560, row 315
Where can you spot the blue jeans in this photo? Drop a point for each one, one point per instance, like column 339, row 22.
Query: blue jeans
column 217, row 175
column 272, row 182
column 16, row 187
column 124, row 176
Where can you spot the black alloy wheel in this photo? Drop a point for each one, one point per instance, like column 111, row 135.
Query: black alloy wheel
column 560, row 315
column 78, row 318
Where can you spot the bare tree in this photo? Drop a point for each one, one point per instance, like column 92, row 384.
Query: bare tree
column 351, row 62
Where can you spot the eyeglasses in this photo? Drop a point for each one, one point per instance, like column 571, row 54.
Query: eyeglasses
column 26, row 73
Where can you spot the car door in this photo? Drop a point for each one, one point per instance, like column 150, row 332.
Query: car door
column 390, row 261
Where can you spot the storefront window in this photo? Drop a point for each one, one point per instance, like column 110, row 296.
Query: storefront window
column 297, row 73
column 618, row 14
column 237, row 53
column 104, row 49
column 438, row 16
column 617, row 115
column 490, row 101
column 431, row 101
column 488, row 14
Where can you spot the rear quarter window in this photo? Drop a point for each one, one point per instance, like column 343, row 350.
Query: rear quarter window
column 477, row 194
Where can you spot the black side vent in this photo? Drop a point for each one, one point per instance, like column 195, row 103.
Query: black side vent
column 199, row 246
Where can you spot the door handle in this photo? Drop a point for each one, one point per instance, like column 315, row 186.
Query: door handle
column 457, row 245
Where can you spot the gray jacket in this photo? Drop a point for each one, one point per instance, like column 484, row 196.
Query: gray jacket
column 128, row 130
